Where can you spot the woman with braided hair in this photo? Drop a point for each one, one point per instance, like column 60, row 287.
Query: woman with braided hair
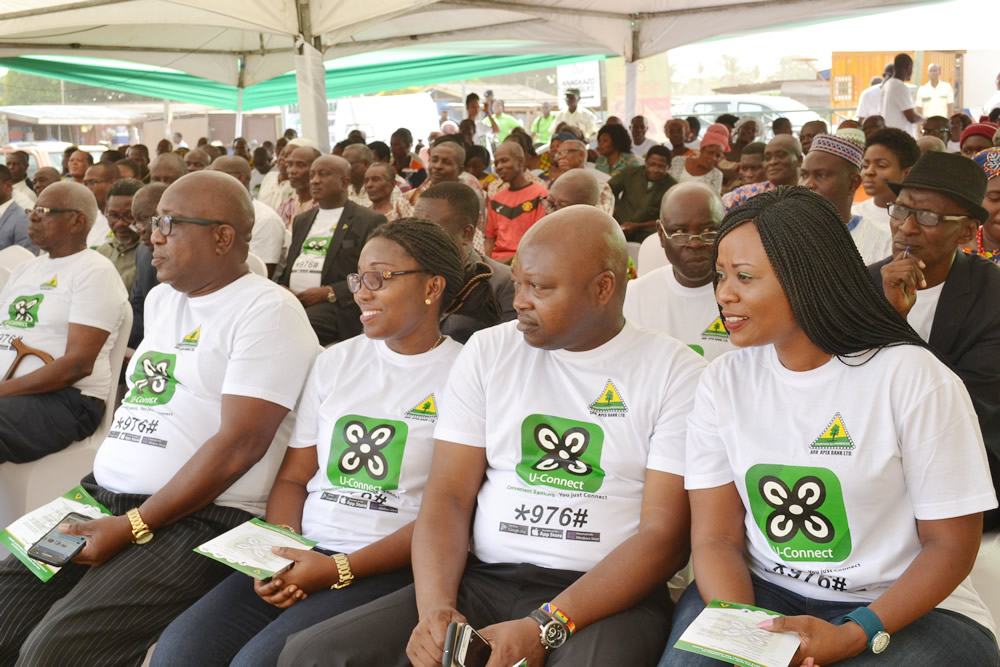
column 836, row 470
column 356, row 465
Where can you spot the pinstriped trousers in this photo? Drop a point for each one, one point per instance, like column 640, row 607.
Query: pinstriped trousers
column 112, row 614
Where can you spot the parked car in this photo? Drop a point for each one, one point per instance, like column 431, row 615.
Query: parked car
column 47, row 153
column 766, row 107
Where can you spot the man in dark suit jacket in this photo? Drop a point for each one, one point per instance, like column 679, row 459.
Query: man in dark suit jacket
column 951, row 299
column 13, row 220
column 326, row 245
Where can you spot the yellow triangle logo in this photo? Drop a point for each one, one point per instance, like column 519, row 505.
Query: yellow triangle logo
column 835, row 435
column 192, row 338
column 716, row 329
column 52, row 283
column 425, row 408
column 610, row 400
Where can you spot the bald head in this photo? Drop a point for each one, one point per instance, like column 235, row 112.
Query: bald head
column 197, row 160
column 692, row 196
column 166, row 168
column 930, row 144
column 67, row 194
column 235, row 166
column 329, row 180
column 581, row 307
column 575, row 186
column 45, row 177
column 144, row 205
column 211, row 195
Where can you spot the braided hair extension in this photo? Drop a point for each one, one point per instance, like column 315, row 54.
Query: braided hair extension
column 821, row 272
column 467, row 289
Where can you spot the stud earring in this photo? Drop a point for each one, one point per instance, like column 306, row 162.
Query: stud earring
column 427, row 301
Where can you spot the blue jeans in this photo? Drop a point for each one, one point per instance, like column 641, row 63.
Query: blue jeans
column 232, row 625
column 938, row 638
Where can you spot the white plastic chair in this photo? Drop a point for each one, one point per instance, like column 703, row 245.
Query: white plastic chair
column 650, row 255
column 4, row 276
column 256, row 264
column 14, row 256
column 25, row 486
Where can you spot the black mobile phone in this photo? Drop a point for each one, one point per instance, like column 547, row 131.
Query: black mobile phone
column 57, row 549
column 464, row 647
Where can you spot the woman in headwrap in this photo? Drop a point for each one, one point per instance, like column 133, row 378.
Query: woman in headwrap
column 703, row 166
column 988, row 238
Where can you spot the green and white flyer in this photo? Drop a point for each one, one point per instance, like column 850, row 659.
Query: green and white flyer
column 247, row 548
column 728, row 631
column 23, row 533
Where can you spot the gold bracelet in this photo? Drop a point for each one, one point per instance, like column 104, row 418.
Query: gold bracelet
column 344, row 575
column 285, row 526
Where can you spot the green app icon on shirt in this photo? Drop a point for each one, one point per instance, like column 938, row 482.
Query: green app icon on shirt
column 561, row 453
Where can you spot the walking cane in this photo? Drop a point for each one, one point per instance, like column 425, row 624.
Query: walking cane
column 24, row 350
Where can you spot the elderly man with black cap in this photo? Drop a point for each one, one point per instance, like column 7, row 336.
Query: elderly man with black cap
column 951, row 299
column 578, row 117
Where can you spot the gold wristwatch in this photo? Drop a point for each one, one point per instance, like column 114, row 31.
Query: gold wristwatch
column 141, row 534
column 344, row 575
column 332, row 296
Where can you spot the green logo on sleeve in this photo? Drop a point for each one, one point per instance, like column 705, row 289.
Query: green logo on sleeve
column 366, row 453
column 153, row 380
column 23, row 311
column 562, row 453
column 316, row 245
column 800, row 511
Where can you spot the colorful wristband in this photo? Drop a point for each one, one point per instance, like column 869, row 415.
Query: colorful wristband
column 558, row 614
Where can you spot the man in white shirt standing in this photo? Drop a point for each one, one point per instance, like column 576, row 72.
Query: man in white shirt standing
column 17, row 162
column 189, row 455
column 897, row 106
column 68, row 304
column 679, row 299
column 868, row 101
column 560, row 443
column 936, row 97
column 578, row 117
column 268, row 235
column 833, row 169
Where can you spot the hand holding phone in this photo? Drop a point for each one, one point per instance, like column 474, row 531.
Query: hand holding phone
column 464, row 647
column 56, row 548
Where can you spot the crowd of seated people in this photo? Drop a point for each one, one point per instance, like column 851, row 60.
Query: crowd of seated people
column 802, row 401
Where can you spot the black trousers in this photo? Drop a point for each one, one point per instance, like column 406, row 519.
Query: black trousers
column 112, row 614
column 377, row 633
column 35, row 426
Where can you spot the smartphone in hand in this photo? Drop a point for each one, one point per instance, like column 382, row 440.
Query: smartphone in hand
column 464, row 647
column 57, row 549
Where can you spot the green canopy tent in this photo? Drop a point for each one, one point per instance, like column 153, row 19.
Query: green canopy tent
column 341, row 81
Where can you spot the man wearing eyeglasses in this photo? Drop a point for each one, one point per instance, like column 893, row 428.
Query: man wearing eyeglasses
column 189, row 455
column 326, row 245
column 952, row 300
column 67, row 304
column 121, row 247
column 679, row 299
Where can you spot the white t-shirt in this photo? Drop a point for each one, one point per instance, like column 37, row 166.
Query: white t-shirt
column 866, row 451
column 690, row 314
column 568, row 438
column 921, row 315
column 309, row 264
column 869, row 210
column 44, row 296
column 373, row 440
column 100, row 233
column 868, row 101
column 268, row 234
column 23, row 195
column 251, row 338
column 896, row 98
column 640, row 150
column 874, row 242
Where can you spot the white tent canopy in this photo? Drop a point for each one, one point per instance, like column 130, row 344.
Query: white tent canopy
column 243, row 42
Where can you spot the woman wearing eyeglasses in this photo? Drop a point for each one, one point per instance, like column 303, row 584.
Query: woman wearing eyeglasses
column 354, row 472
column 836, row 469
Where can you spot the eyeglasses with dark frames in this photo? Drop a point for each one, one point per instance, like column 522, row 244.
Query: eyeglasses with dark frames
column 924, row 218
column 374, row 280
column 165, row 223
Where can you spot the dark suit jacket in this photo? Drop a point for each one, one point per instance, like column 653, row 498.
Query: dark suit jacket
column 355, row 227
column 461, row 327
column 145, row 280
column 14, row 228
column 966, row 332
